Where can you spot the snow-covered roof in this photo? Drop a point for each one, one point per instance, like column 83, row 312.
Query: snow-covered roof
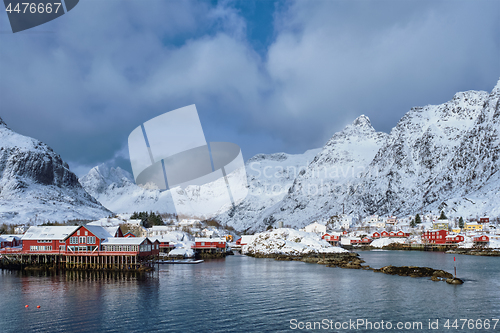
column 205, row 239
column 49, row 232
column 124, row 241
column 112, row 230
column 99, row 232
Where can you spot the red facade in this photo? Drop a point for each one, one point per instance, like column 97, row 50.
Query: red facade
column 454, row 239
column 435, row 236
column 484, row 220
column 481, row 239
column 376, row 235
column 209, row 244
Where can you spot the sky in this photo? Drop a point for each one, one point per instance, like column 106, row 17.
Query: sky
column 270, row 76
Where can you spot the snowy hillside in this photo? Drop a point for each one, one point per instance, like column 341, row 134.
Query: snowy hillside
column 269, row 178
column 37, row 186
column 116, row 190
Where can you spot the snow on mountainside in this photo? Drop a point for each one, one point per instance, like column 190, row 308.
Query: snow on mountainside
column 116, row 190
column 318, row 191
column 269, row 179
column 437, row 157
column 37, row 186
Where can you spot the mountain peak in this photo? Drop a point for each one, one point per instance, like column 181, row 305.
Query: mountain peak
column 362, row 121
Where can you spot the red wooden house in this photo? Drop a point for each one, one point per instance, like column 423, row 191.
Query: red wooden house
column 454, row 239
column 210, row 245
column 384, row 234
column 401, row 233
column 435, row 236
column 479, row 240
column 366, row 240
column 141, row 246
column 376, row 234
column 331, row 238
column 9, row 241
column 484, row 220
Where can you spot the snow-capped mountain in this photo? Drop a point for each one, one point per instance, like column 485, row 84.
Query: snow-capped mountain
column 319, row 189
column 36, row 185
column 116, row 190
column 437, row 157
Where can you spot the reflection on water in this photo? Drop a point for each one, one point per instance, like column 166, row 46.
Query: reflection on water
column 246, row 294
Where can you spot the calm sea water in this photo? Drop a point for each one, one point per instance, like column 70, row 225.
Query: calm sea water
column 243, row 294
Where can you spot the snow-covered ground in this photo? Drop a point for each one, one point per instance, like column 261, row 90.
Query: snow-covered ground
column 381, row 242
column 289, row 242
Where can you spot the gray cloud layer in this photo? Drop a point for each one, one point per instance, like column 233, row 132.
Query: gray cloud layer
column 108, row 66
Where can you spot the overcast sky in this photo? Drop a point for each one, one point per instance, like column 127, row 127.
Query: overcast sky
column 268, row 76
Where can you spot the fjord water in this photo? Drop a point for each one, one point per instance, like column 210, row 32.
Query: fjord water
column 245, row 294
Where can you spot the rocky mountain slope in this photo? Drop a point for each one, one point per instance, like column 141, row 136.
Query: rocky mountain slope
column 438, row 157
column 37, row 186
column 318, row 190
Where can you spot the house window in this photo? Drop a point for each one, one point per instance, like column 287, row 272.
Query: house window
column 90, row 240
column 62, row 248
column 82, row 239
column 73, row 240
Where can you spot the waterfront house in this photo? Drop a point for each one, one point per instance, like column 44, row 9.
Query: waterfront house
column 384, row 234
column 332, row 238
column 10, row 241
column 375, row 235
column 481, row 240
column 435, row 236
column 244, row 240
column 454, row 238
column 164, row 244
column 210, row 245
column 141, row 246
column 47, row 238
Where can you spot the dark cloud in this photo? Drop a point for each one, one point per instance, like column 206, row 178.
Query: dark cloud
column 108, row 66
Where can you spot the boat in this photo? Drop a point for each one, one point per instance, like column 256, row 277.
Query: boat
column 185, row 261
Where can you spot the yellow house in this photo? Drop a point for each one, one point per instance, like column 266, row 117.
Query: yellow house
column 473, row 226
column 456, row 231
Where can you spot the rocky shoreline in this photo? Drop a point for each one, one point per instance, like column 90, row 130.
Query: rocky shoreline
column 352, row 260
column 343, row 260
column 476, row 252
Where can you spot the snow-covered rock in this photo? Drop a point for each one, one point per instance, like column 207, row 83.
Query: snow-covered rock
column 36, row 185
column 381, row 242
column 288, row 242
